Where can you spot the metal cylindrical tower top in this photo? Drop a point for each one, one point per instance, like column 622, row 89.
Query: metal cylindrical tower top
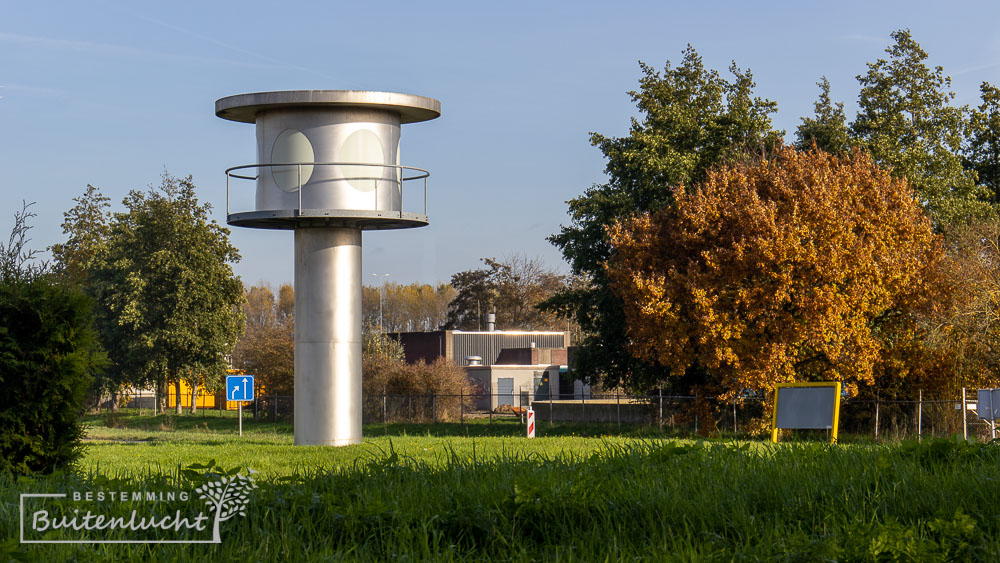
column 328, row 166
column 329, row 158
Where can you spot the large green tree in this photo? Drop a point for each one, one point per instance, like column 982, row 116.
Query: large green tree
column 983, row 148
column 692, row 119
column 907, row 122
column 827, row 129
column 86, row 227
column 168, row 301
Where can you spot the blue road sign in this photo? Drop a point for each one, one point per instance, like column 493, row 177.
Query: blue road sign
column 239, row 387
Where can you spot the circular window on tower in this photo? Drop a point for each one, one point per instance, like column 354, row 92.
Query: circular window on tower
column 292, row 147
column 362, row 146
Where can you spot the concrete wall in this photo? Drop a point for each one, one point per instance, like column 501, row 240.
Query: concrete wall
column 486, row 377
column 479, row 377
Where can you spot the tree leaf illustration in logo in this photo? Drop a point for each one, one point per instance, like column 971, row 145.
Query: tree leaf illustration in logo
column 229, row 496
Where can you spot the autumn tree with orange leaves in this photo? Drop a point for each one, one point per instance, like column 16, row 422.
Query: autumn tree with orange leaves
column 806, row 266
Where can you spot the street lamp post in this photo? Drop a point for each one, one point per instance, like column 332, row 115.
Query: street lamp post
column 381, row 299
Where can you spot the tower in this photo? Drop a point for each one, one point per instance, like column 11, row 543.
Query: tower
column 328, row 167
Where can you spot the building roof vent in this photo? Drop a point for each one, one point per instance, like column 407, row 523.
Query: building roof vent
column 474, row 360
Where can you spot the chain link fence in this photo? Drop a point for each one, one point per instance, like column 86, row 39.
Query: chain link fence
column 675, row 414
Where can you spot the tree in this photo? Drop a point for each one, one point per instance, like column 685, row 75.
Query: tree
column 168, row 301
column 828, row 129
column 87, row 226
column 267, row 347
column 286, row 301
column 49, row 353
column 907, row 124
column 474, row 298
column 807, row 266
column 405, row 308
column 692, row 120
column 983, row 148
column 512, row 288
column 962, row 334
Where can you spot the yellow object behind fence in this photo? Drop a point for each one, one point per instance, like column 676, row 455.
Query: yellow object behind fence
column 205, row 399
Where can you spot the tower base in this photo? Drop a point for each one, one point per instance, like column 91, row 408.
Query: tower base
column 328, row 336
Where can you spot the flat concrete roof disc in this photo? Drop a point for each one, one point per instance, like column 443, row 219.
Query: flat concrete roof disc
column 245, row 107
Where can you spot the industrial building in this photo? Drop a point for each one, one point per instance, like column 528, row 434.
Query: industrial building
column 505, row 367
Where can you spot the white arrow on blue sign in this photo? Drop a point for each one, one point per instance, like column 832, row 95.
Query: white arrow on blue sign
column 239, row 387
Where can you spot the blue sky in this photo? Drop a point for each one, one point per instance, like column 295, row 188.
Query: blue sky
column 114, row 93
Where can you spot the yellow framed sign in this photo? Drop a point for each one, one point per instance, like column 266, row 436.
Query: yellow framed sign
column 806, row 406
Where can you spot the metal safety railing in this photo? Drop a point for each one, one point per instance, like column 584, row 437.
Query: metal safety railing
column 397, row 179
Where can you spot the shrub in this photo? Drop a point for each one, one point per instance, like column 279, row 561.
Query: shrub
column 48, row 354
column 418, row 391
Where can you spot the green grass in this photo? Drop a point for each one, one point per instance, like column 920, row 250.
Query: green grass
column 419, row 494
column 162, row 443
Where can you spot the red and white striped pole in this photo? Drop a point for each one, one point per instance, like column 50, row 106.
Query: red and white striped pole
column 531, row 422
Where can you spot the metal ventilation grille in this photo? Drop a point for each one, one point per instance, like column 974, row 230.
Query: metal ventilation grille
column 488, row 345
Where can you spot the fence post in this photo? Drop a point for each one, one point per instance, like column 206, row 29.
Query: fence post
column 490, row 405
column 734, row 417
column 550, row 404
column 618, row 408
column 434, row 408
column 659, row 417
column 409, row 408
column 461, row 406
column 920, row 414
column 275, row 408
column 876, row 417
column 384, row 407
column 696, row 413
column 965, row 425
column 672, row 421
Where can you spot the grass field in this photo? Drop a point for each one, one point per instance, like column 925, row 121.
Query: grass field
column 162, row 443
column 483, row 492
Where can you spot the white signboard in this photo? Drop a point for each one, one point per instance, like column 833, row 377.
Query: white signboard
column 806, row 406
column 988, row 401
